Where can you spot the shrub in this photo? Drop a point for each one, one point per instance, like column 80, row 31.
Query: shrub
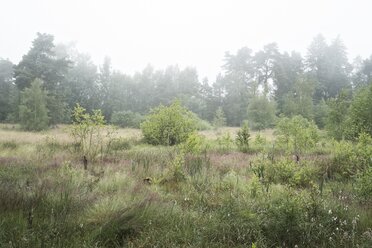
column 360, row 117
column 305, row 176
column 260, row 142
column 168, row 125
column 225, row 143
column 297, row 133
column 287, row 172
column 202, row 124
column 126, row 119
column 242, row 138
column 89, row 133
column 337, row 115
column 195, row 150
column 363, row 186
column 281, row 172
column 350, row 159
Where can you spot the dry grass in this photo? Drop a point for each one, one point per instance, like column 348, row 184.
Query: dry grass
column 11, row 133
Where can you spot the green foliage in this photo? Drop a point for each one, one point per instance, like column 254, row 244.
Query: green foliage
column 195, row 144
column 360, row 113
column 57, row 109
column 201, row 124
column 261, row 113
column 306, row 176
column 8, row 91
column 242, row 138
column 225, row 143
column 337, row 116
column 41, row 62
column 321, row 111
column 260, row 142
column 291, row 174
column 126, row 119
column 195, row 152
column 299, row 101
column 33, row 113
column 297, row 133
column 351, row 159
column 89, row 133
column 168, row 125
column 363, row 185
column 219, row 118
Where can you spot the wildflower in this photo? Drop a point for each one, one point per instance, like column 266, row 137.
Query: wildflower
column 330, row 211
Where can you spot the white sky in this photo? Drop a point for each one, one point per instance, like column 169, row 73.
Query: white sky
column 188, row 32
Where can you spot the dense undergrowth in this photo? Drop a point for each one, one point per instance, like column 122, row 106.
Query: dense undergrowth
column 202, row 193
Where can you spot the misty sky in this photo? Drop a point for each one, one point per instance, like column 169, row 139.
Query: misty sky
column 190, row 32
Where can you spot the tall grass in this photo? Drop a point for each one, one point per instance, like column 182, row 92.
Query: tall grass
column 191, row 199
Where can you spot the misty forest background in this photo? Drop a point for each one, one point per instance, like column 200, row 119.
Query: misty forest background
column 253, row 85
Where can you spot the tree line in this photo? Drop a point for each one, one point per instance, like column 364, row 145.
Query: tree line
column 257, row 86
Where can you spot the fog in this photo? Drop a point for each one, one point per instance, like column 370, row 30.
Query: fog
column 187, row 33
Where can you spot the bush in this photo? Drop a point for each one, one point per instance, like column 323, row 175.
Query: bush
column 89, row 133
column 195, row 150
column 281, row 172
column 242, row 138
column 363, row 186
column 168, row 125
column 360, row 117
column 225, row 143
column 297, row 133
column 260, row 143
column 350, row 159
column 202, row 124
column 126, row 119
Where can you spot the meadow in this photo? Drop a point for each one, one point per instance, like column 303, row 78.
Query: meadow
column 204, row 193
